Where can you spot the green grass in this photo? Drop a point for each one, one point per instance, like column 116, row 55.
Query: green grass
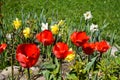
column 102, row 10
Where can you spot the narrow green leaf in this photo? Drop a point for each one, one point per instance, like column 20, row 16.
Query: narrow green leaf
column 89, row 65
column 48, row 65
column 104, row 26
column 46, row 74
column 95, row 77
column 72, row 77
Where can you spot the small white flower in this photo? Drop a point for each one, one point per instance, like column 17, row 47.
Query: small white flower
column 44, row 26
column 8, row 36
column 88, row 15
column 93, row 27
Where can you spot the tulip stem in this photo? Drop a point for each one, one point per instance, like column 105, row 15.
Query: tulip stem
column 80, row 56
column 100, row 56
column 60, row 69
column 12, row 55
column 12, row 62
column 89, row 58
column 28, row 70
column 12, row 66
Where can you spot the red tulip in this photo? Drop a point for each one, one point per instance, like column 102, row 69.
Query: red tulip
column 73, row 38
column 27, row 55
column 2, row 47
column 60, row 50
column 45, row 37
column 79, row 38
column 102, row 46
column 88, row 48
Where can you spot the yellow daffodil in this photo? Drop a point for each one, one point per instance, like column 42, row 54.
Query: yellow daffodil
column 60, row 23
column 55, row 29
column 26, row 32
column 70, row 56
column 16, row 23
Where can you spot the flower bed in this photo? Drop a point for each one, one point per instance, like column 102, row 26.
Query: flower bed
column 58, row 50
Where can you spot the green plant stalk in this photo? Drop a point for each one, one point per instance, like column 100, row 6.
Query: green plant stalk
column 12, row 57
column 20, row 70
column 3, row 61
column 12, row 71
column 28, row 72
column 100, row 57
column 48, row 54
column 44, row 51
column 86, row 22
column 79, row 54
column 60, row 69
column 89, row 58
column 3, row 33
column 81, row 57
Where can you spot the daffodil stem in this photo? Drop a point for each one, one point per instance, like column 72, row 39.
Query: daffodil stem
column 28, row 70
column 60, row 69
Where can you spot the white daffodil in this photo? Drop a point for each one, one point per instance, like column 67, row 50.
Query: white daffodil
column 44, row 26
column 8, row 36
column 88, row 15
column 93, row 27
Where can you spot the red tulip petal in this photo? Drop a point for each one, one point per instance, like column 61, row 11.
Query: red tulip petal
column 73, row 36
column 2, row 47
column 60, row 50
column 22, row 59
column 79, row 38
column 88, row 48
column 82, row 38
column 45, row 37
column 27, row 54
column 102, row 46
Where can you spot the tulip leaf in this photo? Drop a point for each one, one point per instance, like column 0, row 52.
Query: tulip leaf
column 57, row 62
column 89, row 65
column 46, row 74
column 113, row 78
column 95, row 77
column 48, row 65
column 52, row 77
column 0, row 34
column 117, row 60
column 72, row 77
